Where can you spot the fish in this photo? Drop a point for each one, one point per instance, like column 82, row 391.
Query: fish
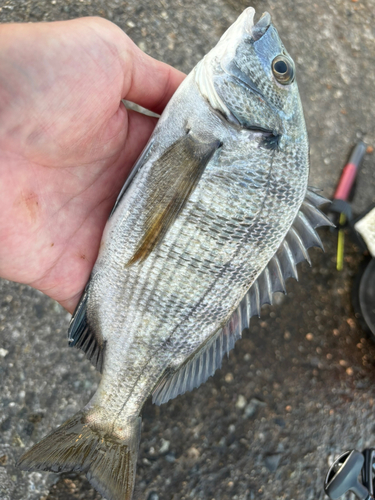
column 212, row 220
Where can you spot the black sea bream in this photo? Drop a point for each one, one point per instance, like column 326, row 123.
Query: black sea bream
column 214, row 217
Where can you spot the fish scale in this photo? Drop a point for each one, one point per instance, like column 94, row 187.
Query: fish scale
column 212, row 221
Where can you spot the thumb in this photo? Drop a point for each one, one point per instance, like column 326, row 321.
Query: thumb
column 147, row 81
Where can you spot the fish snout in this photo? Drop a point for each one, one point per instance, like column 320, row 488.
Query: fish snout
column 259, row 29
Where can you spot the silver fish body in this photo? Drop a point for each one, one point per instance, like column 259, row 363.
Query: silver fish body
column 157, row 312
column 211, row 211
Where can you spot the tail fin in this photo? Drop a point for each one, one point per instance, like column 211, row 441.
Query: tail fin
column 108, row 455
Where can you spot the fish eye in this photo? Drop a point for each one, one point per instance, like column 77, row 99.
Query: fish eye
column 283, row 69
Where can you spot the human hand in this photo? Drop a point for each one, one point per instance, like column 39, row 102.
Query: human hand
column 67, row 144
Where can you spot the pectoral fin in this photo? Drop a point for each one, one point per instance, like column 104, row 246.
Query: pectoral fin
column 175, row 174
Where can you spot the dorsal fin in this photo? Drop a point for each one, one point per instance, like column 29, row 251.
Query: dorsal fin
column 201, row 364
column 293, row 250
column 81, row 337
column 207, row 359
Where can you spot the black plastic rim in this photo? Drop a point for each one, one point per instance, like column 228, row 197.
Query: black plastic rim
column 367, row 295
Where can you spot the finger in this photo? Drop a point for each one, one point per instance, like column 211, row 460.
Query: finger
column 148, row 82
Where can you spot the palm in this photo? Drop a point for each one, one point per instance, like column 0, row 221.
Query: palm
column 66, row 146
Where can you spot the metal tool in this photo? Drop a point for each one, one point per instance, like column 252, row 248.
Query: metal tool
column 344, row 189
column 343, row 475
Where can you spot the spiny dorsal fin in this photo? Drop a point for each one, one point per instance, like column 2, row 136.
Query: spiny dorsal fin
column 178, row 170
column 293, row 250
column 81, row 337
column 207, row 359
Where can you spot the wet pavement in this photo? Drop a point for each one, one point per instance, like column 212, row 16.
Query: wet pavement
column 299, row 387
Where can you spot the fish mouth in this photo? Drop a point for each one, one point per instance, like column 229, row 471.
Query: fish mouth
column 245, row 25
column 260, row 28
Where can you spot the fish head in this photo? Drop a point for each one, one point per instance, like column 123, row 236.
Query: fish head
column 249, row 77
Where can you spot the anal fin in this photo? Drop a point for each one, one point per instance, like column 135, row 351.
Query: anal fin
column 82, row 337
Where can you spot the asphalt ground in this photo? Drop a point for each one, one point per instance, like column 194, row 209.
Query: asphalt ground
column 299, row 387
